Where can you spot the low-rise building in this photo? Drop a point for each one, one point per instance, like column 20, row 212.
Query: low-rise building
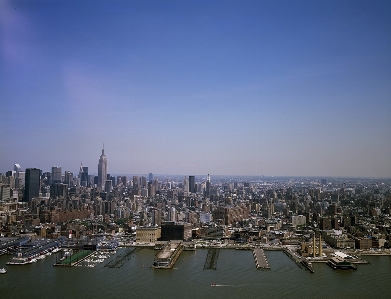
column 148, row 234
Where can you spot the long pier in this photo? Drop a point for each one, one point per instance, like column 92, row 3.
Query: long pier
column 121, row 259
column 260, row 259
column 167, row 256
column 211, row 258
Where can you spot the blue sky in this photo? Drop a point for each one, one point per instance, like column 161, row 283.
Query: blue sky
column 197, row 87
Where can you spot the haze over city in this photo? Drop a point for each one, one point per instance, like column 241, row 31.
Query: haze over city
column 296, row 88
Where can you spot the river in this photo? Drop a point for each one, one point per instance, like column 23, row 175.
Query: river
column 235, row 277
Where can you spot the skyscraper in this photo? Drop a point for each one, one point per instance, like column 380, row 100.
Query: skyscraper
column 207, row 189
column 18, row 172
column 32, row 184
column 83, row 175
column 102, row 170
column 56, row 174
column 192, row 184
column 185, row 185
column 135, row 182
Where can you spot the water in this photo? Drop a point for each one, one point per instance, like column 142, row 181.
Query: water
column 235, row 277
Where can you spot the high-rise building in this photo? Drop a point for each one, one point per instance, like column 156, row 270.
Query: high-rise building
column 207, row 188
column 83, row 175
column 108, row 186
column 192, row 184
column 56, row 174
column 17, row 170
column 150, row 177
column 143, row 181
column 125, row 180
column 185, row 185
column 68, row 179
column 32, row 184
column 21, row 179
column 102, row 170
column 135, row 182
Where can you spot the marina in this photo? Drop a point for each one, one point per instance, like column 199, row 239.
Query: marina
column 33, row 250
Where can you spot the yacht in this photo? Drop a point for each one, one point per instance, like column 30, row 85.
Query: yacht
column 3, row 271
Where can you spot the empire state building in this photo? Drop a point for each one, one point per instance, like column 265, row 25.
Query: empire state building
column 102, row 170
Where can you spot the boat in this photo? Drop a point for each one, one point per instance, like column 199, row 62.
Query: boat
column 212, row 284
column 3, row 271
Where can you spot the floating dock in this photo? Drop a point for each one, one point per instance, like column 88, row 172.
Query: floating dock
column 167, row 256
column 260, row 259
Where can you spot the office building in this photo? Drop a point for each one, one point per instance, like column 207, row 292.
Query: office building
column 32, row 184
column 56, row 174
column 185, row 185
column 135, row 182
column 108, row 186
column 83, row 175
column 143, row 182
column 207, row 188
column 192, row 184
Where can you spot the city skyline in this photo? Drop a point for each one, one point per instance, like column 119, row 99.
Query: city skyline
column 284, row 88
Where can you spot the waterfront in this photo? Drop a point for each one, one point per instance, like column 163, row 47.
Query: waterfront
column 236, row 277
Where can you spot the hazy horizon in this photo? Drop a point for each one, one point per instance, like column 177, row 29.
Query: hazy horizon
column 245, row 88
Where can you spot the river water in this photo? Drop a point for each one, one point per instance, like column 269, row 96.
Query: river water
column 235, row 277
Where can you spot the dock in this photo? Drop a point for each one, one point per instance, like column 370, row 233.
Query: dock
column 211, row 258
column 121, row 259
column 260, row 259
column 75, row 258
column 294, row 258
column 167, row 256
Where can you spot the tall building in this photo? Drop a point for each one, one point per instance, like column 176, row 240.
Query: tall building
column 68, row 179
column 125, row 180
column 19, row 176
column 17, row 170
column 207, row 188
column 192, row 184
column 83, row 175
column 185, row 185
column 56, row 174
column 102, row 170
column 108, row 186
column 143, row 181
column 135, row 182
column 32, row 184
column 150, row 177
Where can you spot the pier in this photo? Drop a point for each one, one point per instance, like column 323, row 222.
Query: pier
column 260, row 259
column 211, row 258
column 75, row 258
column 167, row 256
column 294, row 258
column 121, row 259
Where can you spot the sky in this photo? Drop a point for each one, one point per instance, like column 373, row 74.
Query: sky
column 274, row 88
